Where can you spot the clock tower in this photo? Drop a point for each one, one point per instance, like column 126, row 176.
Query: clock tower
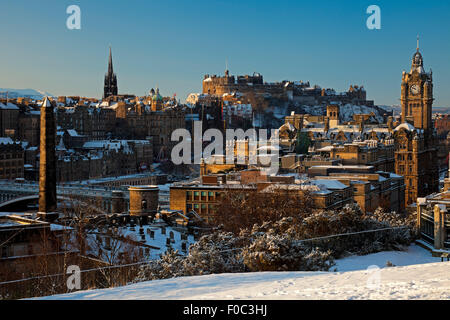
column 415, row 141
column 417, row 94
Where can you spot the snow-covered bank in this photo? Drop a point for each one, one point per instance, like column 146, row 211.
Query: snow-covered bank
column 412, row 255
column 425, row 281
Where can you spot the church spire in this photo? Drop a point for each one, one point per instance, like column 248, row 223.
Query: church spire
column 110, row 63
column 417, row 43
column 110, row 88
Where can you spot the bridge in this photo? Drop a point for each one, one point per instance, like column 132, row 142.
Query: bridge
column 19, row 194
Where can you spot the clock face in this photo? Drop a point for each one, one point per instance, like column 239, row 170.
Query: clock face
column 415, row 89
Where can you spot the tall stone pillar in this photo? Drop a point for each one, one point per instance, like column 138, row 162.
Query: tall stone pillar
column 439, row 226
column 421, row 204
column 47, row 163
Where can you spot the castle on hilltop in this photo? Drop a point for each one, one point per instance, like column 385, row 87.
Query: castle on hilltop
column 296, row 91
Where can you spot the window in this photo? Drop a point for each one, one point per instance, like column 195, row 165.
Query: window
column 196, row 195
column 189, row 195
column 203, row 195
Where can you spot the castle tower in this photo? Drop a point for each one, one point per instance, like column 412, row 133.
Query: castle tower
column 47, row 163
column 110, row 87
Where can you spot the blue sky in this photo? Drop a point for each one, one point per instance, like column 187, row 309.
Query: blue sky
column 172, row 44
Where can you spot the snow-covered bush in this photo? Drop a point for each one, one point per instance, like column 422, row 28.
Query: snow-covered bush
column 215, row 253
column 170, row 265
column 288, row 244
column 271, row 252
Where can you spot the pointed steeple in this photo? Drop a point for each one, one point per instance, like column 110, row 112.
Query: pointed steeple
column 417, row 60
column 110, row 63
column 110, row 88
column 46, row 103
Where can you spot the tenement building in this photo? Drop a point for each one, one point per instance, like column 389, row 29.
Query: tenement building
column 11, row 159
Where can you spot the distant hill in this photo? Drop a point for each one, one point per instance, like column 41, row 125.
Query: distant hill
column 26, row 93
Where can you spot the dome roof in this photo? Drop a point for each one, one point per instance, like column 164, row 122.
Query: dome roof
column 157, row 97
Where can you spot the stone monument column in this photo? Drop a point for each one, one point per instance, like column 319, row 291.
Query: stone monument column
column 47, row 163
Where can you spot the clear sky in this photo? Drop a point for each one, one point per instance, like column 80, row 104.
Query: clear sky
column 172, row 44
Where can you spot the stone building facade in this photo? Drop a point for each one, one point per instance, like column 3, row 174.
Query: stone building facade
column 11, row 159
column 9, row 114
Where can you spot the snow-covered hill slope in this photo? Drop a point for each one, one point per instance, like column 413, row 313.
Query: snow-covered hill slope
column 26, row 93
column 420, row 281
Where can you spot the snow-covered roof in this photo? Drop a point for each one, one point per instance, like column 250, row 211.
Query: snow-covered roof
column 8, row 106
column 73, row 133
column 6, row 140
column 406, row 126
column 108, row 145
column 330, row 184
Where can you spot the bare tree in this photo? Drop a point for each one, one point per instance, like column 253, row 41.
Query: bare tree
column 242, row 208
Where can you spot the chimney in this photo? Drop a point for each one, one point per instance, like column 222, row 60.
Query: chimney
column 47, row 163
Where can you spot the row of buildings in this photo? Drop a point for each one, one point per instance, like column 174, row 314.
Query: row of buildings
column 375, row 164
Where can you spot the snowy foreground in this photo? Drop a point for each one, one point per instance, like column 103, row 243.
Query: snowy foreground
column 424, row 279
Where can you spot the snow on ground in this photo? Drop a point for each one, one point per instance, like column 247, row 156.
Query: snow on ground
column 419, row 281
column 412, row 255
column 159, row 239
column 425, row 281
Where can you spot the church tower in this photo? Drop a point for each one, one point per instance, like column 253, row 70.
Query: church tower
column 415, row 141
column 110, row 88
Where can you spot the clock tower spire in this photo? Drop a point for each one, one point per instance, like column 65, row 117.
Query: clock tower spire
column 417, row 94
column 415, row 142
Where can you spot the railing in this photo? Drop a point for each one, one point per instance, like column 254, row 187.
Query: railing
column 112, row 276
column 97, row 278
